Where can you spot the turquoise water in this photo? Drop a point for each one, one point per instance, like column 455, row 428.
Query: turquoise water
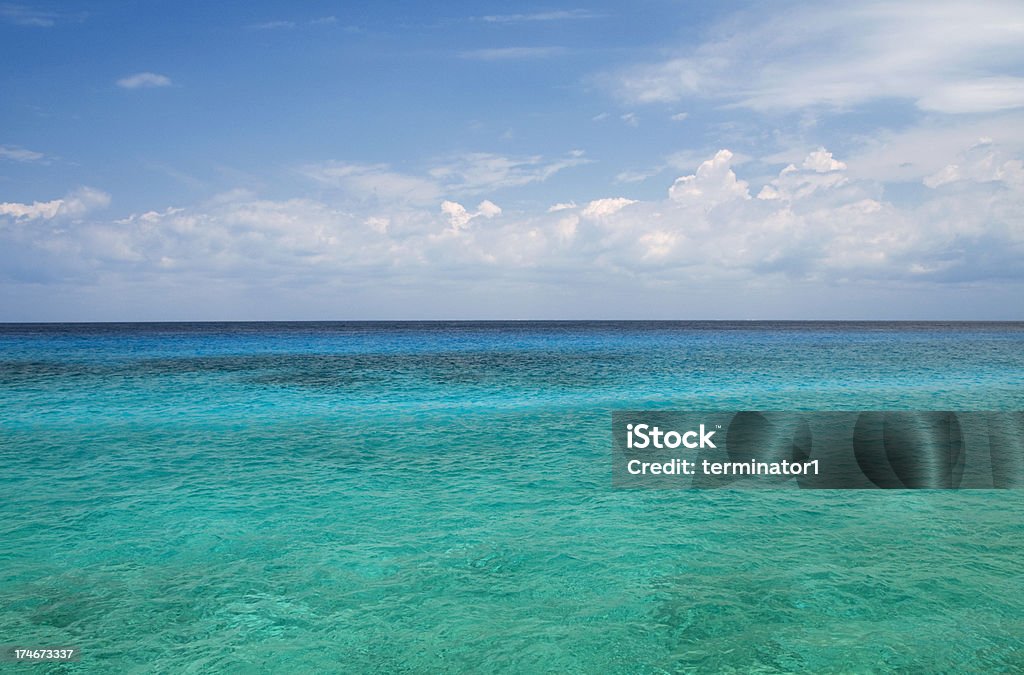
column 437, row 498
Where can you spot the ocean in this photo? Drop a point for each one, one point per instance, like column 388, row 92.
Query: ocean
column 437, row 497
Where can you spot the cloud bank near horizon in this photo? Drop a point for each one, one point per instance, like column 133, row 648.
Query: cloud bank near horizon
column 811, row 224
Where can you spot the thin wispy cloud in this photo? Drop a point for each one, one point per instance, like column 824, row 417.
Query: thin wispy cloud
column 272, row 25
column 513, row 53
column 467, row 174
column 144, row 81
column 479, row 172
column 635, row 176
column 23, row 15
column 555, row 15
column 287, row 24
column 374, row 181
column 948, row 58
column 17, row 154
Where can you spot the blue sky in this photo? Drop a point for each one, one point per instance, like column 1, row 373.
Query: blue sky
column 666, row 160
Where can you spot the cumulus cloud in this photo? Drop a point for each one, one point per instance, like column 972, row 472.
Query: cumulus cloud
column 75, row 204
column 913, row 153
column 144, row 81
column 83, row 200
column 31, row 211
column 818, row 170
column 821, row 161
column 488, row 209
column 713, row 183
column 982, row 163
column 460, row 218
column 950, row 58
column 600, row 208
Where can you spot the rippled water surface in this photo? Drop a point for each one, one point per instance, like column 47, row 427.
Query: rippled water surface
column 435, row 497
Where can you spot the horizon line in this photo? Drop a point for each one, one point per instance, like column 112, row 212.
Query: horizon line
column 407, row 321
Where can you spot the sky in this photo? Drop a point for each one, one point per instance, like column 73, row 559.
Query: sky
column 661, row 160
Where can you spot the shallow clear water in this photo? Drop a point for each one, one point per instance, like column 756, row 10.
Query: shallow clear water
column 437, row 497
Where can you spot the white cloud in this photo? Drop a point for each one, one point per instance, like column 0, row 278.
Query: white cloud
column 566, row 227
column 75, row 204
column 83, row 200
column 914, row 153
column 460, row 218
column 812, row 225
column 980, row 95
column 561, row 206
column 488, row 209
column 982, row 163
column 144, row 80
column 149, row 217
column 679, row 117
column 945, row 57
column 818, row 170
column 601, row 208
column 714, row 182
column 378, row 224
column 630, row 119
column 821, row 161
column 19, row 154
column 31, row 211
